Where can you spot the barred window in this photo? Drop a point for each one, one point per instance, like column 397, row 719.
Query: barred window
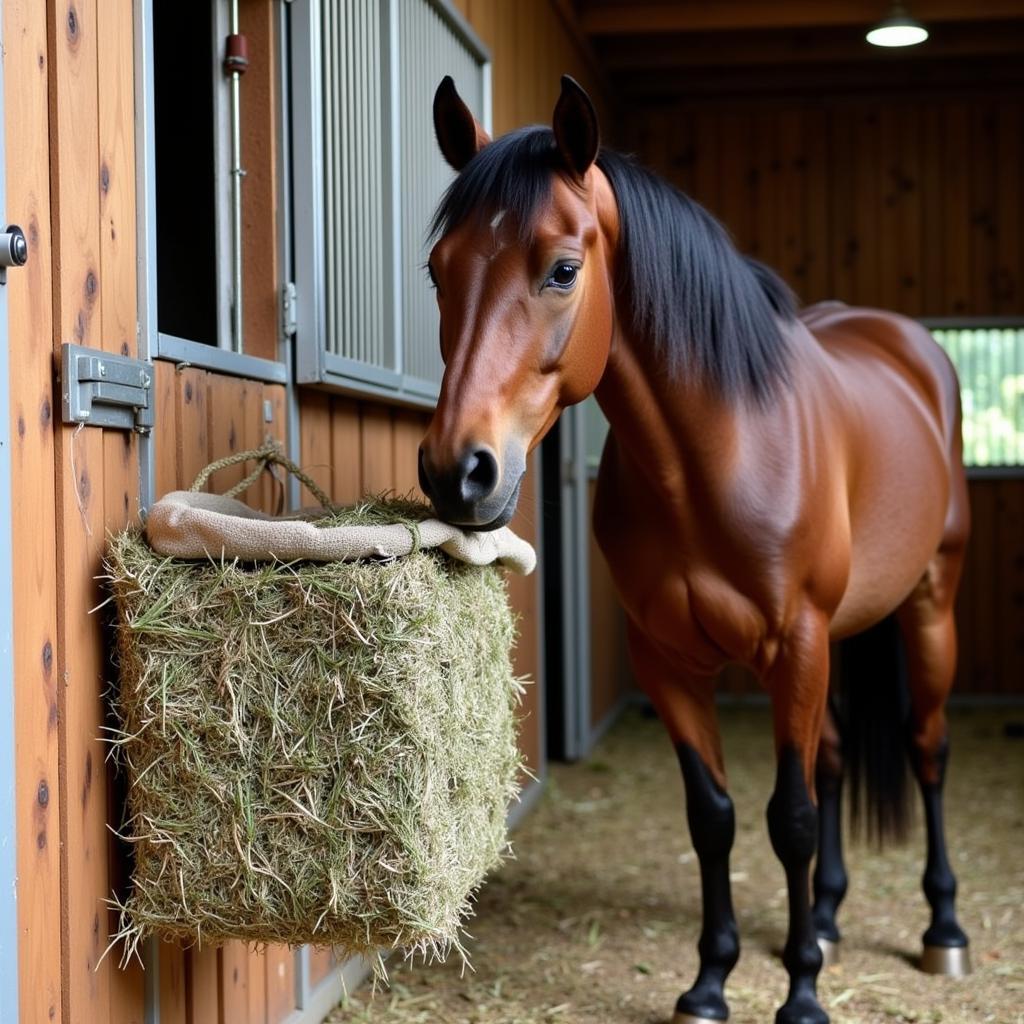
column 990, row 364
column 368, row 175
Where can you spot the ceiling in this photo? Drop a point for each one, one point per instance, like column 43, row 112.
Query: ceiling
column 671, row 49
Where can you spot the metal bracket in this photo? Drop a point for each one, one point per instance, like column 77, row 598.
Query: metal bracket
column 106, row 390
column 289, row 309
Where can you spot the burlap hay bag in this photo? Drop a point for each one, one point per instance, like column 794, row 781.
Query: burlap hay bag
column 316, row 717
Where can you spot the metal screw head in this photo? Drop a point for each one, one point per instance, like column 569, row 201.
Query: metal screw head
column 103, row 369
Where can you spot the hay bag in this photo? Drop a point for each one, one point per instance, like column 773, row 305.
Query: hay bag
column 316, row 751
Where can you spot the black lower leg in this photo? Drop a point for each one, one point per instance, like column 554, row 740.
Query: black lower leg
column 793, row 828
column 709, row 812
column 939, row 882
column 829, row 870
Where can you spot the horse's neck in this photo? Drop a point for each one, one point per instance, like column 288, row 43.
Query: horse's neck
column 672, row 429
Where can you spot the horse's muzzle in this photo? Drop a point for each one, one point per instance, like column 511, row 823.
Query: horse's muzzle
column 470, row 493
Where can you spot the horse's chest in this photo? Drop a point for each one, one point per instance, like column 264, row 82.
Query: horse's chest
column 668, row 589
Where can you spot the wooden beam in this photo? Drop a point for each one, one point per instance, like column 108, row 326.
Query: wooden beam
column 802, row 46
column 756, row 85
column 729, row 15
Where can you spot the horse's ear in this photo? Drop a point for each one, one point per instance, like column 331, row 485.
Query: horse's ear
column 575, row 125
column 458, row 133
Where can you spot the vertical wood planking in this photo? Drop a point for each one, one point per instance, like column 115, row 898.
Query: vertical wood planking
column 789, row 199
column 165, row 437
column 843, row 241
column 235, row 982
column 816, row 282
column 409, row 428
column 75, row 193
column 320, row 963
column 890, row 201
column 867, row 211
column 1009, row 268
column 172, row 984
column 1008, row 590
column 933, row 231
column 980, row 614
column 191, row 425
column 315, row 444
column 763, row 185
column 908, row 230
column 33, row 518
column 346, row 450
column 280, row 983
column 982, row 208
column 269, row 491
column 378, row 457
column 956, row 210
column 225, row 407
column 202, row 969
column 118, row 302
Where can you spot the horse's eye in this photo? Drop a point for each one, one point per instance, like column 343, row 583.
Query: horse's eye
column 564, row 275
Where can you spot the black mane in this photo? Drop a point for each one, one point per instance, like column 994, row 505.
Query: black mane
column 704, row 308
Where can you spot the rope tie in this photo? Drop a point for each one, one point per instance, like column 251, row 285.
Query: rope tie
column 267, row 455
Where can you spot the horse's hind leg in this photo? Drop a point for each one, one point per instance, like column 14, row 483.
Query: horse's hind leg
column 929, row 633
column 829, row 871
column 686, row 708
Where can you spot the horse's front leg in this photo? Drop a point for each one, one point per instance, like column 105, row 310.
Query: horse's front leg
column 686, row 707
column 798, row 683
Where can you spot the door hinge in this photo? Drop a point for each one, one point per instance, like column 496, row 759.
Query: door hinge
column 289, row 309
column 105, row 390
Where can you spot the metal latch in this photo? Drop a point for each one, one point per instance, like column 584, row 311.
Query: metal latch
column 13, row 250
column 106, row 390
column 289, row 309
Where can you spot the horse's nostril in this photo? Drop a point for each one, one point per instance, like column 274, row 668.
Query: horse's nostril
column 480, row 474
column 424, row 478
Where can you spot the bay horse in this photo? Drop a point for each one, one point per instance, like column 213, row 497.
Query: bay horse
column 774, row 480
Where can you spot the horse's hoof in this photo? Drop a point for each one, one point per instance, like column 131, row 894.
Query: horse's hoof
column 804, row 1009
column 953, row 961
column 829, row 952
column 688, row 1018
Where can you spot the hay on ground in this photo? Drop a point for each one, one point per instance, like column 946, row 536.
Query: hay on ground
column 315, row 753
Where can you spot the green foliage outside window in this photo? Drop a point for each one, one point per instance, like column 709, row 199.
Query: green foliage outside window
column 990, row 363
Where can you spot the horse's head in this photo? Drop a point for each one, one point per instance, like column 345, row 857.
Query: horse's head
column 522, row 269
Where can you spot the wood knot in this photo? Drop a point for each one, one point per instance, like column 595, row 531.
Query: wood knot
column 188, row 391
column 47, row 659
column 21, row 426
column 73, row 25
column 45, row 412
column 104, row 179
column 43, row 793
column 91, row 287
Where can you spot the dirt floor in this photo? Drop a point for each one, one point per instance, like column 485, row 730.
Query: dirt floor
column 596, row 920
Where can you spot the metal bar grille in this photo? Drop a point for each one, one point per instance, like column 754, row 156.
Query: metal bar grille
column 990, row 364
column 430, row 50
column 354, row 107
column 382, row 61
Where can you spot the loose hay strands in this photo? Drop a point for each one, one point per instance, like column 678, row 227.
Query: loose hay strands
column 315, row 753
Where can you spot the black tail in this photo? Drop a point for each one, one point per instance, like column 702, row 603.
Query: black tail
column 873, row 721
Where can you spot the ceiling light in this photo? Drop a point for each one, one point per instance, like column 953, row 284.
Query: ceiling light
column 898, row 29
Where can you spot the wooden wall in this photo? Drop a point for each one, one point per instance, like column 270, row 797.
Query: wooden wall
column 70, row 163
column 531, row 48
column 908, row 203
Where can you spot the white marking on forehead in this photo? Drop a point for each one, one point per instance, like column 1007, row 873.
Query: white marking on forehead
column 498, row 218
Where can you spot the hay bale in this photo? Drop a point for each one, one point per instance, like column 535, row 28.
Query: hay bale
column 315, row 753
